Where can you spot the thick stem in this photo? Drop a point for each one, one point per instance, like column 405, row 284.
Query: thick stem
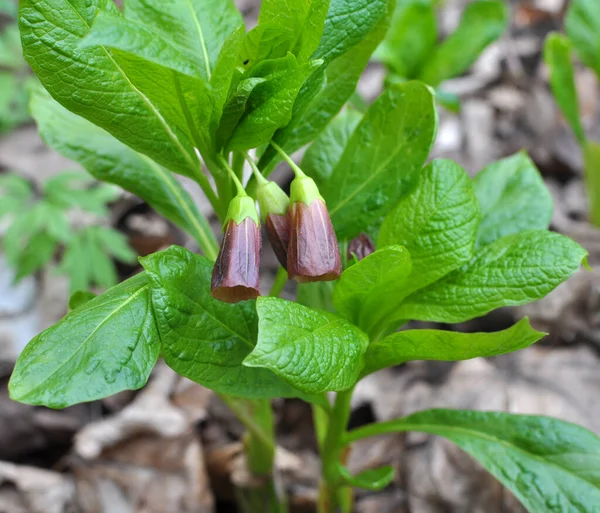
column 334, row 495
column 261, row 493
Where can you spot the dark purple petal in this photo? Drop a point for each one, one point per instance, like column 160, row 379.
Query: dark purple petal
column 236, row 273
column 278, row 231
column 313, row 252
column 361, row 246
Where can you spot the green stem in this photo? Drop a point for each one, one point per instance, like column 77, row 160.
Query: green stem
column 237, row 163
column 280, row 280
column 256, row 172
column 333, row 494
column 288, row 159
column 236, row 181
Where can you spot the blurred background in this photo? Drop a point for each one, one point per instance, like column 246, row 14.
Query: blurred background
column 173, row 447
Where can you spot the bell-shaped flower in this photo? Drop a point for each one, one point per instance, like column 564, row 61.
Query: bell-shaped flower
column 236, row 272
column 274, row 204
column 313, row 251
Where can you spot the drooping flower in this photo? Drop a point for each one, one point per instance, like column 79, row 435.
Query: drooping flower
column 236, row 272
column 313, row 251
column 274, row 204
column 360, row 247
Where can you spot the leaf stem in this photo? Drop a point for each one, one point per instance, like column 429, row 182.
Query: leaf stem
column 255, row 171
column 238, row 185
column 280, row 281
column 288, row 159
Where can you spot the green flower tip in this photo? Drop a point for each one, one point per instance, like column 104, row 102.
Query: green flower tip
column 271, row 200
column 240, row 208
column 305, row 190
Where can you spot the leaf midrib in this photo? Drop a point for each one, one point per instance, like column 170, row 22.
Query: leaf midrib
column 434, row 430
column 141, row 95
column 201, row 36
column 85, row 341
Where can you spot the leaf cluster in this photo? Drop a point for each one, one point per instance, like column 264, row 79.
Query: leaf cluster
column 46, row 225
column 412, row 48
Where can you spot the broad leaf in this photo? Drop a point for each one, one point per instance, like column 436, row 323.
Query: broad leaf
column 550, row 465
column 107, row 345
column 514, row 270
column 405, row 346
column 557, row 55
column 353, row 30
column 313, row 351
column 368, row 290
column 513, row 198
column 591, row 155
column 322, row 156
column 316, row 295
column 482, row 23
column 152, row 109
column 437, row 222
column 411, row 38
column 299, row 24
column 109, row 160
column 200, row 26
column 116, row 32
column 204, row 339
column 382, row 160
column 582, row 25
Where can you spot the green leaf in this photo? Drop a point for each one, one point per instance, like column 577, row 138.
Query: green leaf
column 80, row 298
column 514, row 270
column 36, row 254
column 270, row 104
column 26, row 225
column 322, row 156
column 482, row 23
column 411, row 38
column 382, row 160
column 234, row 109
column 368, row 290
column 154, row 110
column 10, row 49
column 297, row 23
column 75, row 264
column 115, row 243
column 347, row 24
column 15, row 194
column 316, row 295
column 204, row 339
column 313, row 351
column 437, row 222
column 409, row 345
column 8, row 7
column 201, row 27
column 57, row 224
column 222, row 78
column 513, row 198
column 109, row 160
column 591, row 155
column 107, row 345
column 372, row 479
column 582, row 24
column 550, row 465
column 346, row 47
column 557, row 56
column 115, row 32
column 101, row 267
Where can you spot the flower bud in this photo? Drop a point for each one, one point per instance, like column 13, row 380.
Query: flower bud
column 236, row 272
column 274, row 205
column 360, row 247
column 313, row 252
